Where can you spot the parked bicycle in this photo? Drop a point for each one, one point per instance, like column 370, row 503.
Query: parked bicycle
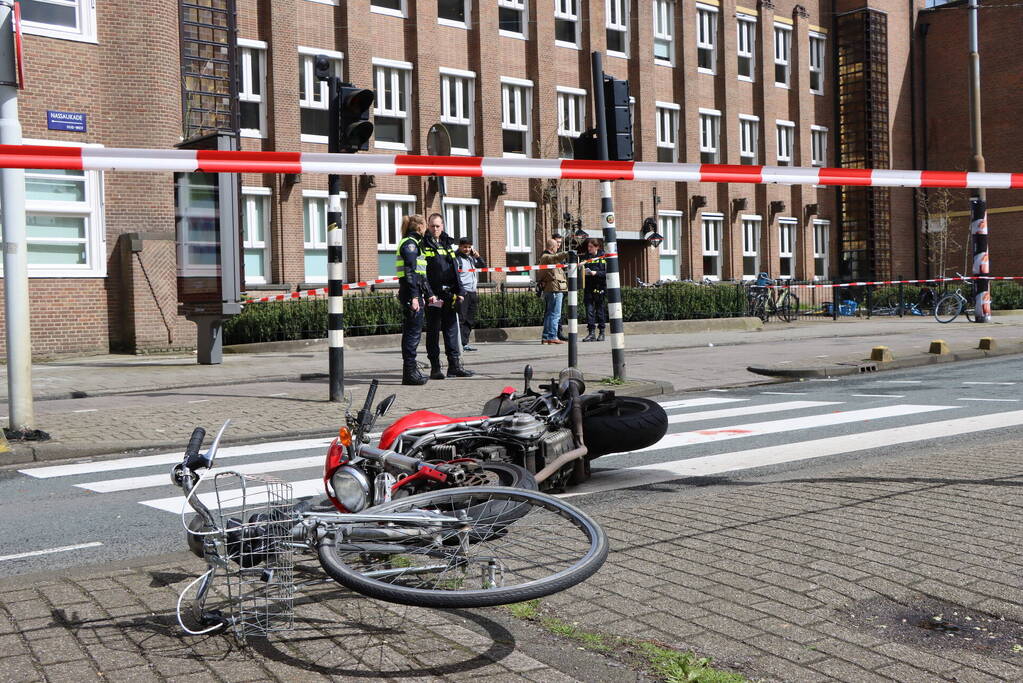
column 953, row 303
column 765, row 301
column 893, row 304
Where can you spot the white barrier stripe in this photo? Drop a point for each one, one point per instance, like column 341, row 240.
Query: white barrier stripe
column 335, row 271
column 522, row 168
column 897, row 178
column 573, row 325
column 102, row 159
column 614, row 311
column 646, row 170
column 343, row 164
column 617, row 340
column 613, row 280
column 994, row 181
column 789, row 175
column 335, row 304
column 335, row 338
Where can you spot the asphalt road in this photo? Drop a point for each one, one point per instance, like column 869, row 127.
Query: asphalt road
column 121, row 509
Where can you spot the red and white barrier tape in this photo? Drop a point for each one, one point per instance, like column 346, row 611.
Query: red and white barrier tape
column 899, row 282
column 212, row 161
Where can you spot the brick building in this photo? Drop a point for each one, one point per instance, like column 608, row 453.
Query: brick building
column 713, row 81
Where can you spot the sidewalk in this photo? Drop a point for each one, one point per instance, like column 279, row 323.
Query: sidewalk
column 132, row 403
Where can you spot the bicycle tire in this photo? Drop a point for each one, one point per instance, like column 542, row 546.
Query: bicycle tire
column 789, row 308
column 948, row 308
column 970, row 312
column 549, row 547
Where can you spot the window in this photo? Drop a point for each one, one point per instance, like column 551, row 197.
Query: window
column 669, row 224
column 255, row 228
column 571, row 118
column 391, row 122
column 710, row 135
column 519, row 222
column 616, row 21
column 749, row 139
column 786, row 240
column 786, row 132
column 516, row 114
column 819, row 145
column 395, row 8
column 314, row 221
column 511, row 18
column 252, row 74
column 391, row 209
column 453, row 13
column 750, row 247
column 313, row 96
column 69, row 19
column 817, row 64
column 566, row 23
column 706, row 38
column 667, row 131
column 456, row 92
column 712, row 224
column 664, row 35
column 821, row 237
column 782, row 54
column 460, row 218
column 746, row 47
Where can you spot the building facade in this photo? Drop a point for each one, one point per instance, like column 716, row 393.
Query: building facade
column 828, row 82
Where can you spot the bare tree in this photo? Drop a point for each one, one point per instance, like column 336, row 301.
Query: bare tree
column 945, row 232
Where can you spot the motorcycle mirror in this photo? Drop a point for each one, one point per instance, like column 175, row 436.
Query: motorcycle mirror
column 527, row 373
column 385, row 405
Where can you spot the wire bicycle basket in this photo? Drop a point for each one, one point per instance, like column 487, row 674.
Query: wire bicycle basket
column 250, row 548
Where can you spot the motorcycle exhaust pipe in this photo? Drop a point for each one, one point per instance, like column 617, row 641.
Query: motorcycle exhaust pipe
column 560, row 461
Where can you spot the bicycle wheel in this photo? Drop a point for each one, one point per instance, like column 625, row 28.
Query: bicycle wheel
column 788, row 309
column 483, row 560
column 948, row 308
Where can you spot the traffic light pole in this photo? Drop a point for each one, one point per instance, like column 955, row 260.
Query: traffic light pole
column 607, row 222
column 335, row 271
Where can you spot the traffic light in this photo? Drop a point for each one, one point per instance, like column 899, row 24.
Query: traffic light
column 353, row 114
column 619, row 119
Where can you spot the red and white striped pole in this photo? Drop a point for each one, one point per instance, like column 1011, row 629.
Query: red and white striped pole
column 981, row 261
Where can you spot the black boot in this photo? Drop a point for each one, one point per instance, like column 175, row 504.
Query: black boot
column 561, row 335
column 600, row 335
column 455, row 368
column 590, row 337
column 435, row 371
column 411, row 376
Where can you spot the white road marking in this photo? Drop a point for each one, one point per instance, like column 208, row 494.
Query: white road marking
column 821, row 379
column 999, row 383
column 748, row 410
column 792, row 424
column 1001, row 400
column 879, row 395
column 131, row 483
column 200, row 400
column 900, row 381
column 275, row 395
column 784, row 393
column 231, row 498
column 694, row 402
column 723, row 391
column 611, row 479
column 85, row 410
column 50, row 551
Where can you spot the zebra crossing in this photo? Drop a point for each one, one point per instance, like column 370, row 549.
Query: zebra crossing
column 701, row 438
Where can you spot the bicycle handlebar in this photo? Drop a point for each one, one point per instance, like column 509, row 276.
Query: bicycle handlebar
column 192, row 458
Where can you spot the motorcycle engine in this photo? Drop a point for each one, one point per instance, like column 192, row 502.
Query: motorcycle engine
column 522, row 426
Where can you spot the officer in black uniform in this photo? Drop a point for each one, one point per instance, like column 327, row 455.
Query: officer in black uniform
column 414, row 293
column 594, row 290
column 442, row 313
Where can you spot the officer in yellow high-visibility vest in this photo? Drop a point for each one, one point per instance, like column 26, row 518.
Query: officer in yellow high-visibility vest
column 414, row 293
column 594, row 290
column 442, row 315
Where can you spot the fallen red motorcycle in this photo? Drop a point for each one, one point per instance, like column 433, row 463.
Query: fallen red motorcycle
column 530, row 439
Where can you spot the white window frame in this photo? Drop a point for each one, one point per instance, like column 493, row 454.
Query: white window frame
column 517, row 98
column 315, row 243
column 386, row 73
column 248, row 215
column 783, row 54
column 468, row 210
column 707, row 36
column 616, row 18
column 248, row 51
column 567, row 10
column 519, row 6
column 403, row 12
column 464, row 81
column 711, row 240
column 325, row 2
column 92, row 210
column 746, row 32
column 86, row 14
column 751, row 226
column 787, row 228
column 467, row 5
column 316, row 92
column 669, row 224
column 818, row 44
column 571, row 101
column 526, row 235
column 383, row 243
column 749, row 138
column 821, row 246
column 785, row 152
column 710, row 134
column 819, row 146
column 664, row 30
column 667, row 115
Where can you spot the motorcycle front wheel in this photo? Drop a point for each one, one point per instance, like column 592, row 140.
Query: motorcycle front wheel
column 487, row 558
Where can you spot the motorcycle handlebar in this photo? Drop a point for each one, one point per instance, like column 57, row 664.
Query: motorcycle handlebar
column 386, row 457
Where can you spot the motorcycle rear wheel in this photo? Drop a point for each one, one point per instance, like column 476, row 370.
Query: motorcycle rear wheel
column 484, row 560
column 626, row 424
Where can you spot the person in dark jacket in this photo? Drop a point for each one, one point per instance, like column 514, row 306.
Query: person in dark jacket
column 594, row 290
column 442, row 313
column 467, row 260
column 414, row 293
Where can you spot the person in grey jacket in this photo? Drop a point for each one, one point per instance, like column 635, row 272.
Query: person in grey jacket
column 467, row 258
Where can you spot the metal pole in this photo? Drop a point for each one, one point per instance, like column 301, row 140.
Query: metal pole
column 607, row 221
column 12, row 196
column 573, row 311
column 978, row 203
column 335, row 254
column 978, row 231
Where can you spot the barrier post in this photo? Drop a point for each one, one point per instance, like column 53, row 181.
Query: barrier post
column 978, row 229
column 335, row 254
column 869, row 299
column 902, row 298
column 573, row 312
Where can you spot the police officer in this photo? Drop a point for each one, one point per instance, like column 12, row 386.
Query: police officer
column 594, row 290
column 442, row 312
column 414, row 293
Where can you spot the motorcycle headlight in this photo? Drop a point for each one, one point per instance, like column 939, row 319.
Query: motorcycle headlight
column 351, row 488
